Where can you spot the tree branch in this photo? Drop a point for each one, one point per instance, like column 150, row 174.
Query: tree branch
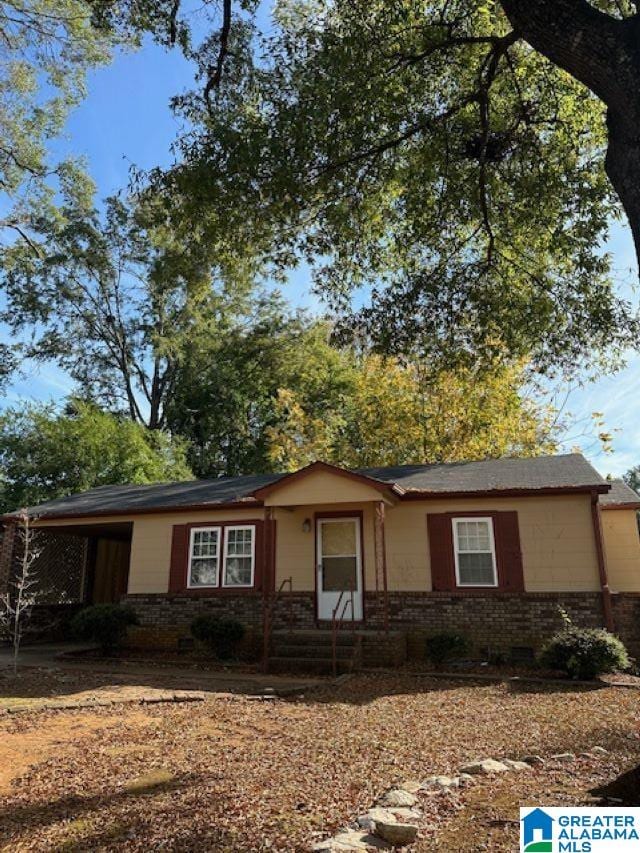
column 578, row 38
column 215, row 75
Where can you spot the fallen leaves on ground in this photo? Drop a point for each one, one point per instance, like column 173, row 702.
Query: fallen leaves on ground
column 231, row 774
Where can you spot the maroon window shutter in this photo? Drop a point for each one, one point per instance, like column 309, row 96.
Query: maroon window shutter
column 178, row 569
column 443, row 576
column 509, row 552
column 260, row 548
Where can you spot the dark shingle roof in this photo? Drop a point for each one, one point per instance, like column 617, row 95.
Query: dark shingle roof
column 547, row 472
column 619, row 495
column 110, row 499
column 570, row 470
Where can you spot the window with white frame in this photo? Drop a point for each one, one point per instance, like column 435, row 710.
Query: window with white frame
column 239, row 556
column 475, row 552
column 227, row 551
column 204, row 557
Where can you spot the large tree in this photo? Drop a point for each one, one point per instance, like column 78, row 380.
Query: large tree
column 116, row 298
column 386, row 412
column 279, row 394
column 459, row 158
column 46, row 49
column 46, row 453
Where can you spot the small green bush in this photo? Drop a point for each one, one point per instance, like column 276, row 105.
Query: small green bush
column 584, row 653
column 105, row 624
column 446, row 646
column 221, row 635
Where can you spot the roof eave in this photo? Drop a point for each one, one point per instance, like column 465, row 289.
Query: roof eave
column 248, row 503
column 421, row 495
column 635, row 505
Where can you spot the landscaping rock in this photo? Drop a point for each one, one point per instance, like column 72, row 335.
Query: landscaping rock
column 397, row 797
column 397, row 834
column 365, row 822
column 442, row 782
column 598, row 750
column 412, row 786
column 407, row 815
column 377, row 814
column 516, row 765
column 563, row 756
column 350, row 840
column 465, row 779
column 484, row 768
column 533, row 760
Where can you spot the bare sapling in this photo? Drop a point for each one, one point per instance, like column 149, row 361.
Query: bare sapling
column 23, row 587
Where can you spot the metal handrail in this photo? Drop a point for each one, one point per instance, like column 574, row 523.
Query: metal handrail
column 269, row 620
column 336, row 623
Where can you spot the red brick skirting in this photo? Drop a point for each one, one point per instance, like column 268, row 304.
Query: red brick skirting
column 498, row 621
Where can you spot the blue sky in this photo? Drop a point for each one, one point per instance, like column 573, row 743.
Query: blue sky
column 126, row 121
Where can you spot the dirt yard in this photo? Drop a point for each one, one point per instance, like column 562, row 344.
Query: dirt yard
column 235, row 774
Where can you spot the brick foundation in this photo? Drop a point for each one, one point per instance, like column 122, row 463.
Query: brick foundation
column 503, row 621
column 166, row 618
column 495, row 621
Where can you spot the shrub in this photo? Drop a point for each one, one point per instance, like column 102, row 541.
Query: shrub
column 584, row 653
column 445, row 646
column 105, row 624
column 221, row 635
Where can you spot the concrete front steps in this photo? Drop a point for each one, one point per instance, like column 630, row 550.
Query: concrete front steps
column 312, row 652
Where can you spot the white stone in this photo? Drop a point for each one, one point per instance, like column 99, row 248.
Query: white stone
column 516, row 765
column 598, row 750
column 377, row 814
column 345, row 841
column 397, row 797
column 563, row 756
column 397, row 834
column 441, row 782
column 465, row 779
column 484, row 768
column 411, row 785
column 407, row 815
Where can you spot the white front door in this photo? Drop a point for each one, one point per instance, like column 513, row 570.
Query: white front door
column 339, row 568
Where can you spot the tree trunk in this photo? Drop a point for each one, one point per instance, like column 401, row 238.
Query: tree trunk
column 603, row 53
column 623, row 168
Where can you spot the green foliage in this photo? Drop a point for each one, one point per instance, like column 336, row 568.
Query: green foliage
column 45, row 454
column 105, row 624
column 632, row 478
column 221, row 635
column 48, row 46
column 584, row 653
column 389, row 412
column 399, row 147
column 116, row 298
column 446, row 646
column 279, row 393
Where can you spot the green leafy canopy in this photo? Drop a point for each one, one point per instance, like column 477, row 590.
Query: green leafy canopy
column 46, row 454
column 441, row 176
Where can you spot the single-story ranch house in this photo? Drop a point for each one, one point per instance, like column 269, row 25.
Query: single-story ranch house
column 494, row 549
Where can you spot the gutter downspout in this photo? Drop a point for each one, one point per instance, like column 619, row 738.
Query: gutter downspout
column 602, row 566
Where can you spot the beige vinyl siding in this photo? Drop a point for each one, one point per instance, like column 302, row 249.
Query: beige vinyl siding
column 295, row 549
column 556, row 536
column 321, row 487
column 151, row 544
column 622, row 549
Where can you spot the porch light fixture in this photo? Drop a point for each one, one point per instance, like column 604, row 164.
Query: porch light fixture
column 306, row 525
